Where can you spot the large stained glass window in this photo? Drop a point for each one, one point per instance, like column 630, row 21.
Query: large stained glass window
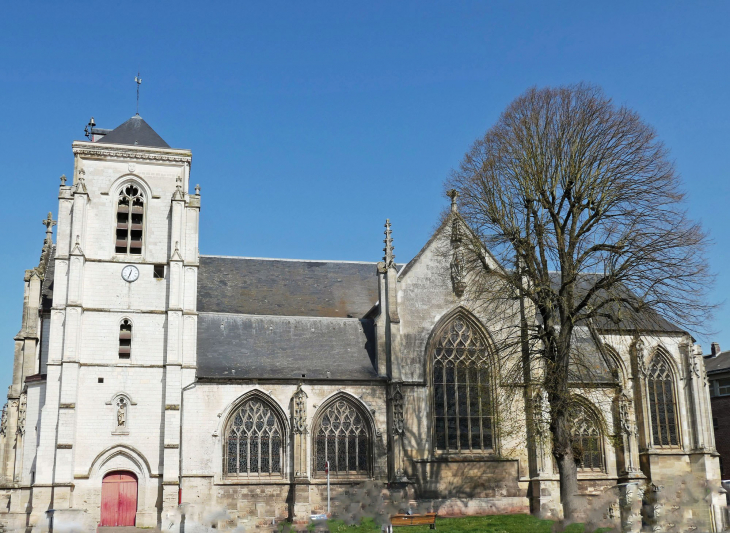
column 342, row 437
column 254, row 441
column 587, row 439
column 662, row 403
column 461, row 388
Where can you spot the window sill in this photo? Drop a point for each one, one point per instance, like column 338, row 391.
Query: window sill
column 254, row 480
column 319, row 479
column 465, row 457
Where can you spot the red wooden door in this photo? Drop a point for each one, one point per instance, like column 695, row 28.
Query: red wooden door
column 118, row 499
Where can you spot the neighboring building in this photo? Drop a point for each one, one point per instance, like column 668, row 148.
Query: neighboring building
column 718, row 375
column 146, row 374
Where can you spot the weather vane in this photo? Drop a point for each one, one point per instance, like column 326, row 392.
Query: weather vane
column 138, row 80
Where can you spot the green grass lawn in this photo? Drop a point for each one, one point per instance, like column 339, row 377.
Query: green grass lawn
column 519, row 523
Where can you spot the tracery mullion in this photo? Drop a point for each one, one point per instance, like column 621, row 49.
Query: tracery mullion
column 357, row 452
column 481, row 409
column 654, row 404
column 468, row 406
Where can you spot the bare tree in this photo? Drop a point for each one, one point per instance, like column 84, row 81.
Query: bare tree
column 576, row 198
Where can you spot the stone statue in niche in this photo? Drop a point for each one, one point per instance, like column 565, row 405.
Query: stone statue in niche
column 121, row 413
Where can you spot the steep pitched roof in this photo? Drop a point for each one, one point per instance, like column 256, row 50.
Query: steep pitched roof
column 134, row 132
column 275, row 347
column 647, row 320
column 282, row 287
column 719, row 363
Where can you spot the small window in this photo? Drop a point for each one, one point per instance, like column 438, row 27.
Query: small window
column 159, row 271
column 130, row 221
column 125, row 339
column 715, row 422
column 100, row 380
column 723, row 387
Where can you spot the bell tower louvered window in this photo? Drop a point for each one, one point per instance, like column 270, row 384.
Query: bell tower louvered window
column 342, row 437
column 461, row 388
column 662, row 403
column 254, row 441
column 125, row 339
column 587, row 440
column 130, row 221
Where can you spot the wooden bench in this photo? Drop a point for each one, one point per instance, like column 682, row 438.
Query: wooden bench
column 402, row 520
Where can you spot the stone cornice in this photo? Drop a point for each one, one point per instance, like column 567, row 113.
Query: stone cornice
column 142, row 153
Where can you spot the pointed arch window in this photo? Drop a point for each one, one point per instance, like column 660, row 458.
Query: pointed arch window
column 342, row 436
column 254, row 441
column 463, row 417
column 125, row 339
column 662, row 403
column 587, row 440
column 130, row 221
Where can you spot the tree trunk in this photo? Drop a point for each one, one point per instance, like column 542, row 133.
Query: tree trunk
column 567, row 467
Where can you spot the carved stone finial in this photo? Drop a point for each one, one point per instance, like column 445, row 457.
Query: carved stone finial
column 389, row 257
column 640, row 357
column 398, row 419
column 197, row 189
column 47, row 245
column 453, row 194
column 81, row 182
column 63, row 180
column 178, row 194
column 21, row 415
column 176, row 253
column 48, row 222
column 300, row 410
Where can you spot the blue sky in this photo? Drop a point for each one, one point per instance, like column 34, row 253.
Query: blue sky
column 311, row 122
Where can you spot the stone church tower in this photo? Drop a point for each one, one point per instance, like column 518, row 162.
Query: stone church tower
column 147, row 375
column 119, row 331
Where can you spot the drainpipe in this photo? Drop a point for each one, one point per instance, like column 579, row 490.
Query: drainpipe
column 179, row 450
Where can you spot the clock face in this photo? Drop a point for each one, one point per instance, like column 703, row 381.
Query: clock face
column 130, row 273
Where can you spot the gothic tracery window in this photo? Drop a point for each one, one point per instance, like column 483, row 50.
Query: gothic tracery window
column 662, row 403
column 130, row 221
column 342, row 437
column 461, row 388
column 253, row 441
column 587, row 440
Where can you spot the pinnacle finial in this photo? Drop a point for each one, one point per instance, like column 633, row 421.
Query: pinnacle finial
column 63, row 180
column 389, row 257
column 453, row 194
column 48, row 222
column 197, row 190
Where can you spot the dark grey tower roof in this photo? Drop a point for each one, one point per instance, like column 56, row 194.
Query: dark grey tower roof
column 134, row 132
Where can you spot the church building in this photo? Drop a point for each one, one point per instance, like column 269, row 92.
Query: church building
column 147, row 375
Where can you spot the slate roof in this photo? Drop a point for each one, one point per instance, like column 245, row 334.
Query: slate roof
column 134, row 132
column 281, row 287
column 719, row 363
column 589, row 362
column 275, row 347
column 648, row 320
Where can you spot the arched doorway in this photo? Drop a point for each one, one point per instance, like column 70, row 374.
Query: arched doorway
column 118, row 499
